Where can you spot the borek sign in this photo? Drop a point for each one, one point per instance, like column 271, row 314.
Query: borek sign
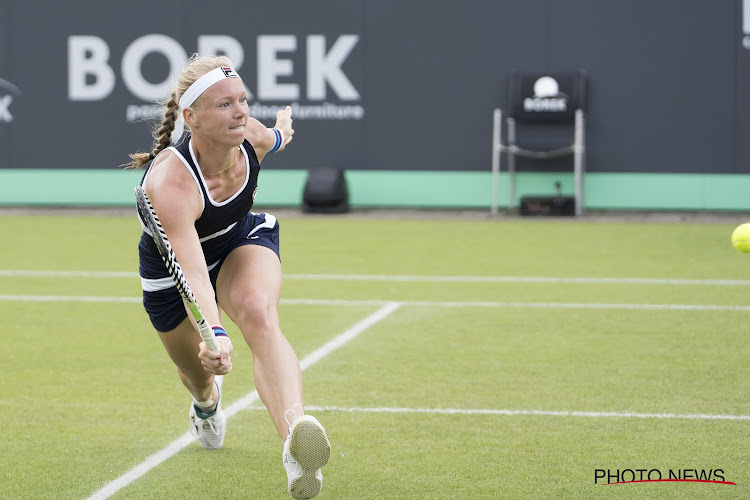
column 328, row 92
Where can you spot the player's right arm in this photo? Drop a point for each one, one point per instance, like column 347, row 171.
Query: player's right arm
column 178, row 202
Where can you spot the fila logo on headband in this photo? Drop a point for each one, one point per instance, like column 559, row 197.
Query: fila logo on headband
column 228, row 72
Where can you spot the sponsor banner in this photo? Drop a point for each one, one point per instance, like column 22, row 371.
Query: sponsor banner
column 97, row 81
column 387, row 85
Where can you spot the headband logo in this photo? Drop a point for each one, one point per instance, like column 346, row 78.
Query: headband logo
column 228, row 72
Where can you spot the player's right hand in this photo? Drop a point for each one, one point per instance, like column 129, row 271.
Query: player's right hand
column 217, row 363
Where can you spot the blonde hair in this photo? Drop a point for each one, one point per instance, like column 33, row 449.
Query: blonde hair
column 196, row 67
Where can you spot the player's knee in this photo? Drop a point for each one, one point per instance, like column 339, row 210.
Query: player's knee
column 257, row 314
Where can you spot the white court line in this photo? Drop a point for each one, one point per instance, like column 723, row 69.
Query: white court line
column 243, row 403
column 27, row 273
column 516, row 279
column 550, row 413
column 425, row 303
column 526, row 305
column 405, row 278
column 68, row 298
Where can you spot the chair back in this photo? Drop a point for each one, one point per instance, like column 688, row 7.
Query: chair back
column 546, row 97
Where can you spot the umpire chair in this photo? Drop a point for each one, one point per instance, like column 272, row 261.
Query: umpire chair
column 545, row 120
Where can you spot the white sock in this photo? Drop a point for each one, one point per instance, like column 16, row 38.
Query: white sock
column 207, row 406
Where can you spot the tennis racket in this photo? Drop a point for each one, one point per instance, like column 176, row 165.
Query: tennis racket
column 148, row 214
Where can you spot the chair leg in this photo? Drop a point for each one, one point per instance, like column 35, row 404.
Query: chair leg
column 511, row 165
column 579, row 158
column 496, row 157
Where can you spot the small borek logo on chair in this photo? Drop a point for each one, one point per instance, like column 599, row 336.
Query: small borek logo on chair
column 547, row 97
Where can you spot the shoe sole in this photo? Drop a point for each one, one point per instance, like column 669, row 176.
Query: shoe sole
column 305, row 486
column 309, row 445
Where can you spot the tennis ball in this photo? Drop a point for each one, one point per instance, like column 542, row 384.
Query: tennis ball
column 741, row 237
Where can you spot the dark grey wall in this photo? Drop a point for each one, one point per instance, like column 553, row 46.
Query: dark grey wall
column 5, row 36
column 668, row 80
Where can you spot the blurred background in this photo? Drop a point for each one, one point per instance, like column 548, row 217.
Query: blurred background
column 399, row 95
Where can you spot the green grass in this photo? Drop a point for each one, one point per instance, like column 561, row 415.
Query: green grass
column 90, row 392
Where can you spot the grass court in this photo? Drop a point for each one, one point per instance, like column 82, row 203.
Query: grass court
column 447, row 358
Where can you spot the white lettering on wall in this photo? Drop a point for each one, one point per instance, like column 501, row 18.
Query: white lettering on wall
column 271, row 66
column 90, row 78
column 325, row 67
column 133, row 58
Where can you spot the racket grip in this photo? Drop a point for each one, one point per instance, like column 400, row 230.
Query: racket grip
column 207, row 334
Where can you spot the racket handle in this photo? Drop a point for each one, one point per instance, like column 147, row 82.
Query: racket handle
column 207, row 334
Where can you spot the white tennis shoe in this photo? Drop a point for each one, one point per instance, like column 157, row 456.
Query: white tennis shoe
column 306, row 450
column 209, row 428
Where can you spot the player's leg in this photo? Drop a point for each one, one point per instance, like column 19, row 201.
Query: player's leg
column 179, row 334
column 182, row 346
column 248, row 288
column 207, row 420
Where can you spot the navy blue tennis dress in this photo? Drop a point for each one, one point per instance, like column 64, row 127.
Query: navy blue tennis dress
column 222, row 227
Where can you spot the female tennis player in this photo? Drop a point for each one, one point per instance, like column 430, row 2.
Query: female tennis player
column 202, row 182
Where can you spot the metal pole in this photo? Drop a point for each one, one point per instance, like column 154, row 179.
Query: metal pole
column 511, row 165
column 496, row 129
column 578, row 154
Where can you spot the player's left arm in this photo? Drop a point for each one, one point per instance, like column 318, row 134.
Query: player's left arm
column 264, row 139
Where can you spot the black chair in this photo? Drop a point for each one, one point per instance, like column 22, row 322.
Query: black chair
column 545, row 120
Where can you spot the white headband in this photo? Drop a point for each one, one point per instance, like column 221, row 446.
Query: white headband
column 195, row 91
